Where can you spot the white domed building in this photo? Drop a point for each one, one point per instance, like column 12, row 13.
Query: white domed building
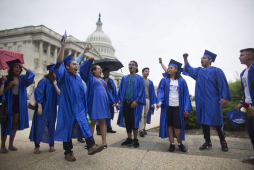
column 102, row 43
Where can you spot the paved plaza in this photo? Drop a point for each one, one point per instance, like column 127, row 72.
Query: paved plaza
column 152, row 153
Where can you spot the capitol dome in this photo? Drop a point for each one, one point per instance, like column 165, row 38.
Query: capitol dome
column 101, row 41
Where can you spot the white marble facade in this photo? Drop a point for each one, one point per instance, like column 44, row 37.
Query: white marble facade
column 40, row 46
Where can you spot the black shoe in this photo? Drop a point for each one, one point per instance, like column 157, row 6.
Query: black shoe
column 224, row 146
column 206, row 146
column 98, row 130
column 105, row 146
column 145, row 132
column 141, row 134
column 110, row 130
column 81, row 140
column 128, row 141
column 136, row 144
column 85, row 147
column 171, row 148
column 182, row 148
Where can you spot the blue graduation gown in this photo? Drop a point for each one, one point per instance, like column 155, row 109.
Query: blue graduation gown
column 2, row 98
column 43, row 127
column 24, row 81
column 211, row 87
column 152, row 98
column 72, row 106
column 99, row 100
column 114, row 96
column 250, row 82
column 184, row 104
column 139, row 95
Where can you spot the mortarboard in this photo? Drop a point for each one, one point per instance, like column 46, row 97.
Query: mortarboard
column 176, row 64
column 13, row 62
column 50, row 66
column 210, row 55
column 68, row 59
column 236, row 117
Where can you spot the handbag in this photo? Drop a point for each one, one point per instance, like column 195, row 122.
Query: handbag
column 32, row 102
column 3, row 112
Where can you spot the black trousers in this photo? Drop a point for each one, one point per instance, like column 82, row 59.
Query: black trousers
column 206, row 132
column 67, row 146
column 128, row 114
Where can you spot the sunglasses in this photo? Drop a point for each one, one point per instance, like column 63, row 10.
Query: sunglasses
column 131, row 64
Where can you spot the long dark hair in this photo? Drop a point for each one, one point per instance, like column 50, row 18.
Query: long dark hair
column 177, row 75
column 11, row 75
column 93, row 68
column 50, row 76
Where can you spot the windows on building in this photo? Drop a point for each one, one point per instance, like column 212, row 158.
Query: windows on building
column 10, row 48
column 19, row 48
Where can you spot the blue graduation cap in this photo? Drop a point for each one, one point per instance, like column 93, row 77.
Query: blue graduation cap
column 176, row 64
column 13, row 62
column 236, row 117
column 68, row 59
column 50, row 66
column 210, row 55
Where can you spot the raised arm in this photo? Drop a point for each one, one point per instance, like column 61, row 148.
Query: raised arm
column 60, row 55
column 162, row 65
column 80, row 56
column 185, row 57
column 85, row 68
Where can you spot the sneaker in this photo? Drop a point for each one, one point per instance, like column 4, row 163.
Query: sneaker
column 141, row 134
column 171, row 148
column 4, row 150
column 128, row 141
column 105, row 146
column 206, row 146
column 12, row 148
column 224, row 146
column 145, row 132
column 85, row 147
column 70, row 157
column 136, row 144
column 182, row 148
column 95, row 149
column 81, row 140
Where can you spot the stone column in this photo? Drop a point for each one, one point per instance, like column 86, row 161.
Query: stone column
column 39, row 68
column 14, row 46
column 75, row 54
column 48, row 53
column 55, row 54
column 69, row 52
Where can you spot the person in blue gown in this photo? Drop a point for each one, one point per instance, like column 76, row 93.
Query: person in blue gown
column 43, row 125
column 16, row 98
column 211, row 93
column 99, row 96
column 247, row 82
column 112, row 88
column 174, row 99
column 79, row 61
column 71, row 121
column 131, row 95
column 148, row 109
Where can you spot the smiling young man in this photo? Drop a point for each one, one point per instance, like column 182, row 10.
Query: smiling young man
column 148, row 109
column 247, row 82
column 131, row 95
column 72, row 122
column 211, row 92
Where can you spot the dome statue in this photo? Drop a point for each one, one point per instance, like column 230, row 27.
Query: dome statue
column 101, row 41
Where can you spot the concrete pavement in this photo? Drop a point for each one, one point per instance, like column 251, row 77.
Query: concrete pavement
column 152, row 153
